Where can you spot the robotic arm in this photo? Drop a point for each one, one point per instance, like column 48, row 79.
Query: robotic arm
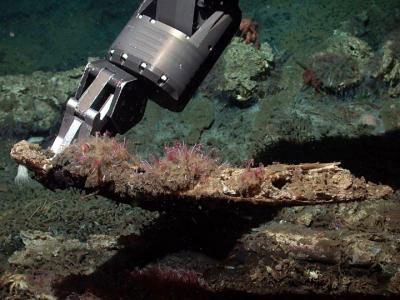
column 162, row 54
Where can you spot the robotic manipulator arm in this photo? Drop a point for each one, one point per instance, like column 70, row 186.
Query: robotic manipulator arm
column 163, row 53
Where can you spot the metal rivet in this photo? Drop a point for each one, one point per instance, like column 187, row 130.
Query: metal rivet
column 188, row 37
column 152, row 21
column 164, row 78
column 140, row 16
column 143, row 66
column 112, row 52
column 124, row 56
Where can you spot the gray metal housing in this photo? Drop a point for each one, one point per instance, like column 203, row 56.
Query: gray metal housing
column 172, row 45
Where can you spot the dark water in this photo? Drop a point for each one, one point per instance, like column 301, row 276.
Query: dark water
column 54, row 35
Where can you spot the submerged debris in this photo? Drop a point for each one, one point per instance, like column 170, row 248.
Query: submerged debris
column 203, row 182
column 340, row 67
column 390, row 67
column 335, row 72
column 240, row 72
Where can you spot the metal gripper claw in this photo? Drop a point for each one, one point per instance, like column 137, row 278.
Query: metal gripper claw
column 102, row 103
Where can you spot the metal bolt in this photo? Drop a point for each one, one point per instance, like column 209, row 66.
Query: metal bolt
column 164, row 78
column 112, row 51
column 140, row 16
column 152, row 21
column 143, row 66
column 124, row 56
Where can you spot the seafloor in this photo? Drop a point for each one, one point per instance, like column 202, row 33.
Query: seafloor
column 255, row 104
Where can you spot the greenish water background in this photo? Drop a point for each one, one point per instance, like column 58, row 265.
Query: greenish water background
column 59, row 35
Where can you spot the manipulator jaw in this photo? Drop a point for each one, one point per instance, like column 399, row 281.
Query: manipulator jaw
column 108, row 99
column 163, row 53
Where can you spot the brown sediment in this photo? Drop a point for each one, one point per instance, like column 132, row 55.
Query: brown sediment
column 292, row 259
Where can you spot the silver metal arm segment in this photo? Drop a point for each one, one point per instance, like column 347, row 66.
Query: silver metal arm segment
column 163, row 53
column 174, row 43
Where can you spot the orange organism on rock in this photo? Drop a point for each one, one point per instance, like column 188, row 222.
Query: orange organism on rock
column 248, row 31
column 310, row 79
